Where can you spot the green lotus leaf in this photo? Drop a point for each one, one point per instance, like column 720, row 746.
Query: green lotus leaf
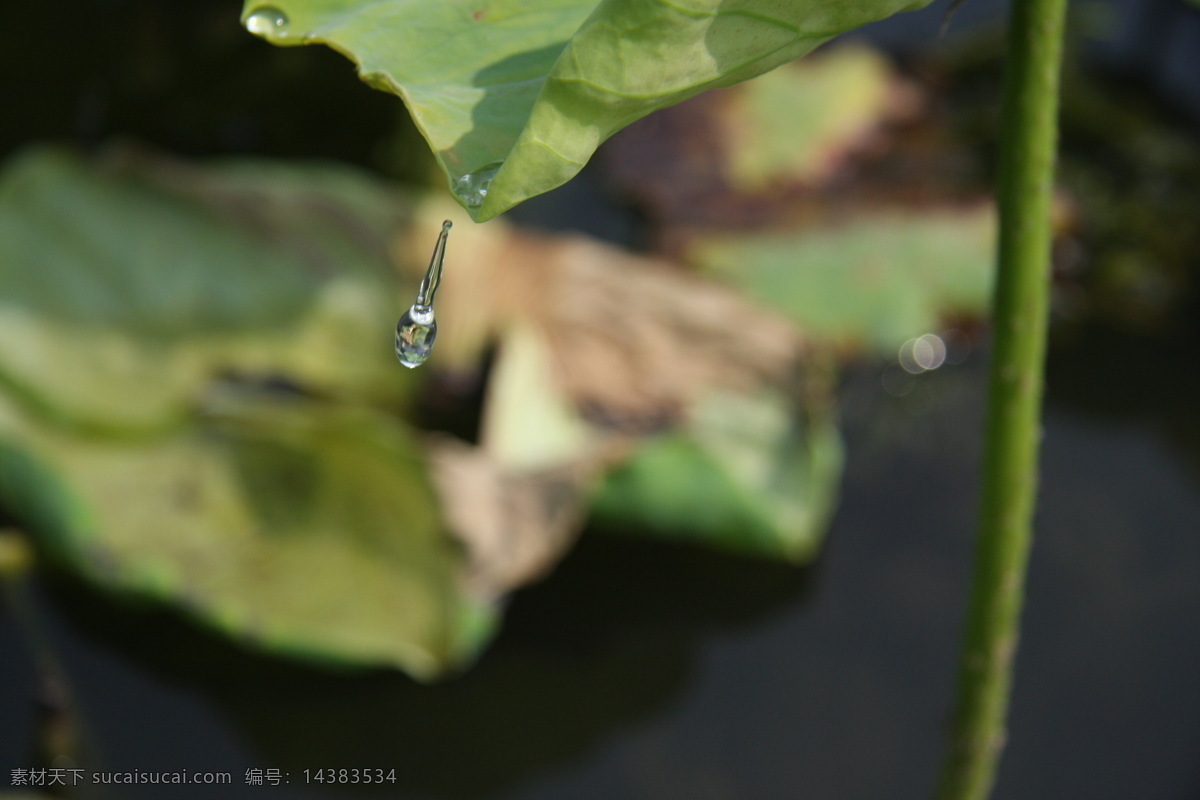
column 291, row 525
column 165, row 334
column 514, row 96
column 875, row 281
column 746, row 473
column 128, row 284
column 792, row 124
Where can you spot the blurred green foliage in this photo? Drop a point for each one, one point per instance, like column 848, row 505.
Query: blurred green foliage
column 872, row 282
column 746, row 473
column 192, row 359
column 200, row 404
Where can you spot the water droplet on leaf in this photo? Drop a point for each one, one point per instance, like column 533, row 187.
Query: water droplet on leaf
column 415, row 333
column 473, row 186
column 267, row 22
column 377, row 80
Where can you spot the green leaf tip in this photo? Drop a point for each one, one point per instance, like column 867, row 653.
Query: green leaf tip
column 514, row 96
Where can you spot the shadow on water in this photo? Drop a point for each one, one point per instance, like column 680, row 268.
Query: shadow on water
column 606, row 641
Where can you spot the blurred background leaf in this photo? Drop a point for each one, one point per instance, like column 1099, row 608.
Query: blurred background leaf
column 798, row 123
column 767, row 471
column 186, row 349
column 284, row 523
column 129, row 284
column 222, row 434
column 871, row 282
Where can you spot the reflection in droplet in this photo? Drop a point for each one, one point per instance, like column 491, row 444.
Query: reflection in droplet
column 922, row 353
column 267, row 21
column 473, row 187
column 415, row 333
column 417, row 329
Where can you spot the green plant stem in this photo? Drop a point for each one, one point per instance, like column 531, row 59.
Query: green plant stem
column 1013, row 427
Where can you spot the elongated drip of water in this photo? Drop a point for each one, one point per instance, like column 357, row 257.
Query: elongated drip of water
column 417, row 328
column 433, row 275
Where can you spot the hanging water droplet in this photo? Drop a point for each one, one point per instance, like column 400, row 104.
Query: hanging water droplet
column 473, row 186
column 417, row 329
column 267, row 21
column 415, row 333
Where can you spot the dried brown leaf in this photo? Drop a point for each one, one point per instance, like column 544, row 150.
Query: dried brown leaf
column 514, row 525
column 621, row 346
column 633, row 340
